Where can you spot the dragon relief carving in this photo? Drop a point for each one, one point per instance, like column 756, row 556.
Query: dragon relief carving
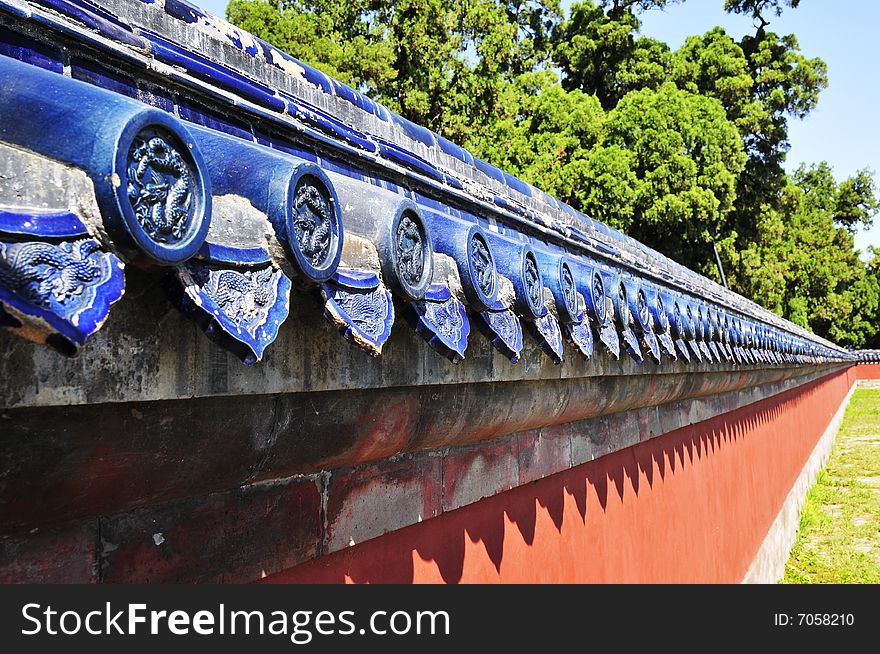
column 368, row 311
column 411, row 251
column 159, row 188
column 481, row 261
column 312, row 224
column 533, row 283
column 244, row 298
column 51, row 276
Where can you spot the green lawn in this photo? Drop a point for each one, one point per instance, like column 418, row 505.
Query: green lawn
column 838, row 538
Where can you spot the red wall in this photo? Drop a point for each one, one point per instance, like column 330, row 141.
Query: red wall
column 692, row 505
column 868, row 371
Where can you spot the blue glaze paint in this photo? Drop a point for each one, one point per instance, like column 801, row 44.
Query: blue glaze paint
column 202, row 67
column 96, row 17
column 581, row 334
column 297, row 197
column 454, row 150
column 41, row 224
column 239, row 309
column 30, row 51
column 219, row 253
column 154, row 197
column 501, row 326
column 96, row 74
column 441, row 319
column 547, row 332
column 58, row 293
column 360, row 307
column 199, row 115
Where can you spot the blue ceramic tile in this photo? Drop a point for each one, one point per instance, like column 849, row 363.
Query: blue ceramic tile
column 96, row 74
column 204, row 68
column 202, row 116
column 44, row 225
column 30, row 51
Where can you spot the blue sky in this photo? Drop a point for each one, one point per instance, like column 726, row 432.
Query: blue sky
column 841, row 130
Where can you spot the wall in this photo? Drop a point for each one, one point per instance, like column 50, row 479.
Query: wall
column 690, row 506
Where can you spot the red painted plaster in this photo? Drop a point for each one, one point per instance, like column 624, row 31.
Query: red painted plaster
column 692, row 505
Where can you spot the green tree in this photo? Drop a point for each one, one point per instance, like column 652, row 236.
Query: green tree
column 600, row 52
column 440, row 63
column 665, row 172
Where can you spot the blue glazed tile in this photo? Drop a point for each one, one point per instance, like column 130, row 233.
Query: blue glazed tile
column 327, row 123
column 239, row 309
column 408, row 160
column 388, row 185
column 649, row 342
column 632, row 345
column 431, row 203
column 202, row 116
column 383, row 112
column 284, row 145
column 360, row 307
column 204, row 68
column 30, row 51
column 501, row 326
column 344, row 91
column 489, row 170
column 453, row 182
column 44, row 225
column 549, row 199
column 233, row 255
column 582, row 336
column 262, row 139
column 316, row 77
column 517, row 184
column 60, row 293
column 339, row 166
column 504, row 203
column 547, row 332
column 441, row 319
column 363, row 102
column 155, row 97
column 96, row 17
column 682, row 350
column 608, row 336
column 454, row 150
column 415, row 132
column 96, row 74
column 183, row 11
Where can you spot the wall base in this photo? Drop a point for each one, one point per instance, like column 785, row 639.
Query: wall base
column 693, row 506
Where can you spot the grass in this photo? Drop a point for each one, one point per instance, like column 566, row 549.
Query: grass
column 838, row 539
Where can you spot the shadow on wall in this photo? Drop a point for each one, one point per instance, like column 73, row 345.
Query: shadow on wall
column 691, row 506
